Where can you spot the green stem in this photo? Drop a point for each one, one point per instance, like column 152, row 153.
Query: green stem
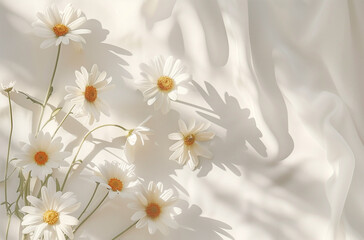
column 88, row 204
column 43, row 184
column 17, row 207
column 7, row 227
column 27, row 190
column 8, row 154
column 79, row 148
column 91, row 213
column 64, row 119
column 49, row 92
column 125, row 230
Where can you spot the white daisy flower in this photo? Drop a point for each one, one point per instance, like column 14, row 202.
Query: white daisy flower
column 155, row 208
column 86, row 96
column 187, row 148
column 8, row 86
column 41, row 155
column 48, row 218
column 118, row 178
column 134, row 138
column 60, row 27
column 163, row 81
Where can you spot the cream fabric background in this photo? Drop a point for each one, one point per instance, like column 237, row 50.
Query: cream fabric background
column 281, row 81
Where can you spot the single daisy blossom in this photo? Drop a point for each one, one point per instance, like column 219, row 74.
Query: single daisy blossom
column 86, row 96
column 118, row 178
column 8, row 86
column 187, row 148
column 60, row 27
column 155, row 208
column 49, row 217
column 134, row 138
column 41, row 155
column 163, row 81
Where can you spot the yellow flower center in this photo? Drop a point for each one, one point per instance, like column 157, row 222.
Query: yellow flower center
column 153, row 210
column 60, row 30
column 115, row 184
column 41, row 158
column 165, row 83
column 90, row 93
column 51, row 217
column 189, row 139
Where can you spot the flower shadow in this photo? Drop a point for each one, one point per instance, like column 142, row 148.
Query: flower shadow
column 193, row 225
column 109, row 57
column 239, row 126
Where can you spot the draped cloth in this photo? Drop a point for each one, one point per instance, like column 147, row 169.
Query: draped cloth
column 280, row 81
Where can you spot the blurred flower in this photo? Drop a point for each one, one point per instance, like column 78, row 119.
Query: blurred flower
column 134, row 138
column 163, row 81
column 118, row 178
column 41, row 155
column 155, row 208
column 8, row 86
column 48, row 218
column 60, row 27
column 86, row 96
column 187, row 147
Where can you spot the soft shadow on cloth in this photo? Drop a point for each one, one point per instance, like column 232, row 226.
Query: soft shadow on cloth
column 240, row 130
column 312, row 66
column 210, row 18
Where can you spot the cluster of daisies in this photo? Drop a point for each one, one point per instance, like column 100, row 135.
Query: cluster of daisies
column 48, row 214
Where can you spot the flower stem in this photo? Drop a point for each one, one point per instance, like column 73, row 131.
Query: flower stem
column 27, row 190
column 64, row 119
column 88, row 204
column 79, row 148
column 43, row 183
column 125, row 230
column 91, row 212
column 7, row 227
column 7, row 156
column 50, row 89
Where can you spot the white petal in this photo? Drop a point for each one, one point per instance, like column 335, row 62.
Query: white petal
column 142, row 222
column 132, row 139
column 175, row 136
column 182, row 126
column 176, row 154
column 204, row 136
column 182, row 77
column 201, row 151
column 138, row 215
column 152, row 227
column 76, row 23
column 173, row 95
column 168, row 66
column 193, row 161
column 39, row 230
column 81, row 31
column 166, row 105
column 176, row 145
column 67, row 219
column 48, row 42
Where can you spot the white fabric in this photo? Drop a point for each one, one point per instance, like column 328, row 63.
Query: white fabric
column 281, row 81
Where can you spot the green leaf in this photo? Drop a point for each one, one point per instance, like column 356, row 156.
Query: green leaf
column 58, row 186
column 50, row 93
column 17, row 212
column 31, row 98
column 8, row 176
column 21, row 183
